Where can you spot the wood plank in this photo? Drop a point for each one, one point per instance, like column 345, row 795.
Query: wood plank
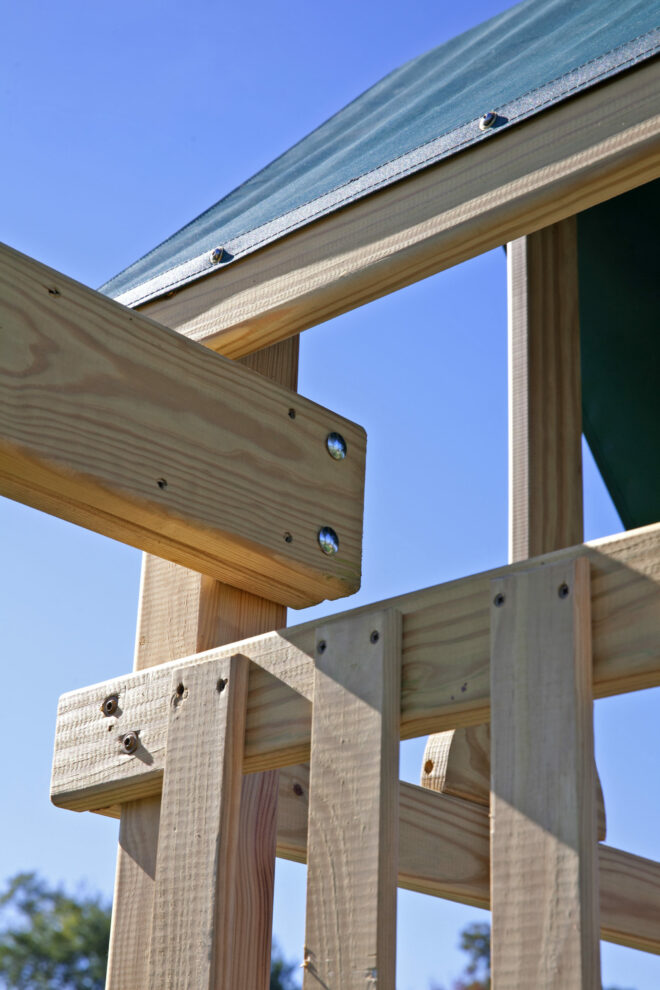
column 191, row 941
column 586, row 150
column 544, row 879
column 458, row 762
column 545, row 397
column 115, row 423
column 445, row 675
column 444, row 852
column 350, row 932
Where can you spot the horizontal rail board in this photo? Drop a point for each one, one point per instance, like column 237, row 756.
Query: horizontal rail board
column 445, row 674
column 128, row 428
column 590, row 148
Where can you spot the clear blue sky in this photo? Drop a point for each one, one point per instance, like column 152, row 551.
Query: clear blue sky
column 122, row 122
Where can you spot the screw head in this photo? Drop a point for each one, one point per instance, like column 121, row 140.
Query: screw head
column 130, row 742
column 217, row 255
column 563, row 590
column 328, row 540
column 498, row 600
column 487, row 120
column 336, row 446
column 110, row 705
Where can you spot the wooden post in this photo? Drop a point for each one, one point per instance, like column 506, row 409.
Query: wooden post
column 181, row 612
column 191, row 940
column 350, row 940
column 544, row 880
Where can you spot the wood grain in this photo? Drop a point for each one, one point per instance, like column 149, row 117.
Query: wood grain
column 350, row 931
column 126, row 427
column 444, row 852
column 545, row 397
column 458, row 762
column 445, row 673
column 191, row 939
column 544, row 873
column 595, row 146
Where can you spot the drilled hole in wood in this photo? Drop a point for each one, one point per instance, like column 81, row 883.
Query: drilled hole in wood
column 375, row 636
column 162, row 484
column 288, row 538
column 428, row 766
column 292, row 413
column 297, row 789
column 180, row 689
column 221, row 685
column 322, row 646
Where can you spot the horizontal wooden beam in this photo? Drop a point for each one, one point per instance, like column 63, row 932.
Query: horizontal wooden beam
column 587, row 149
column 128, row 428
column 445, row 674
column 444, row 851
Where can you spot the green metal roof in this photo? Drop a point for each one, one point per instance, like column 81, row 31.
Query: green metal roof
column 517, row 64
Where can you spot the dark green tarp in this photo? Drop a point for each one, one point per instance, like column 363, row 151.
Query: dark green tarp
column 517, row 64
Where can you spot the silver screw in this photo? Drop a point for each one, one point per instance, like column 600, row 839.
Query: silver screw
column 328, row 540
column 336, row 446
column 217, row 254
column 487, row 120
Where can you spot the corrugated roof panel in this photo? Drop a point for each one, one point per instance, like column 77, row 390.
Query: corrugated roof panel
column 518, row 63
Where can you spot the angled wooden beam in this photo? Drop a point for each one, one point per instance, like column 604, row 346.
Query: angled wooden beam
column 445, row 674
column 444, row 852
column 597, row 145
column 115, row 423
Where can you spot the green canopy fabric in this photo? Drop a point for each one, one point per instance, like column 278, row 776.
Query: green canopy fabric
column 517, row 64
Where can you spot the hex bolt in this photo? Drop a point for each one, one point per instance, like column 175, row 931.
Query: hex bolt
column 563, row 590
column 328, row 540
column 498, row 600
column 110, row 705
column 336, row 446
column 130, row 742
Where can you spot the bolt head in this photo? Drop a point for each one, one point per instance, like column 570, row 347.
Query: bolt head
column 130, row 742
column 217, row 254
column 487, row 120
column 110, row 705
column 336, row 446
column 328, row 540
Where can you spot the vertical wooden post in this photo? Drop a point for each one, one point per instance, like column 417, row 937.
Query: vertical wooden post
column 544, row 882
column 180, row 613
column 544, row 885
column 191, row 941
column 352, row 846
column 545, row 399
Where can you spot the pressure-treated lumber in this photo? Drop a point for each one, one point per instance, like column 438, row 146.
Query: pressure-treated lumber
column 128, row 428
column 444, row 852
column 458, row 762
column 350, row 931
column 191, row 941
column 544, row 874
column 445, row 674
column 545, row 398
column 592, row 147
column 182, row 612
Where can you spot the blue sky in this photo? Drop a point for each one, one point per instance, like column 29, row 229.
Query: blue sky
column 120, row 124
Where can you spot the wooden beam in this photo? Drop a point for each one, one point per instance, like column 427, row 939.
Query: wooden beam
column 191, row 943
column 115, row 423
column 545, row 398
column 444, row 852
column 544, row 874
column 350, row 932
column 587, row 149
column 445, row 674
column 458, row 762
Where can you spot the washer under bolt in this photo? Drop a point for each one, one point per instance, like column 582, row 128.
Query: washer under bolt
column 110, row 705
column 130, row 742
column 336, row 446
column 328, row 540
column 217, row 254
column 487, row 120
